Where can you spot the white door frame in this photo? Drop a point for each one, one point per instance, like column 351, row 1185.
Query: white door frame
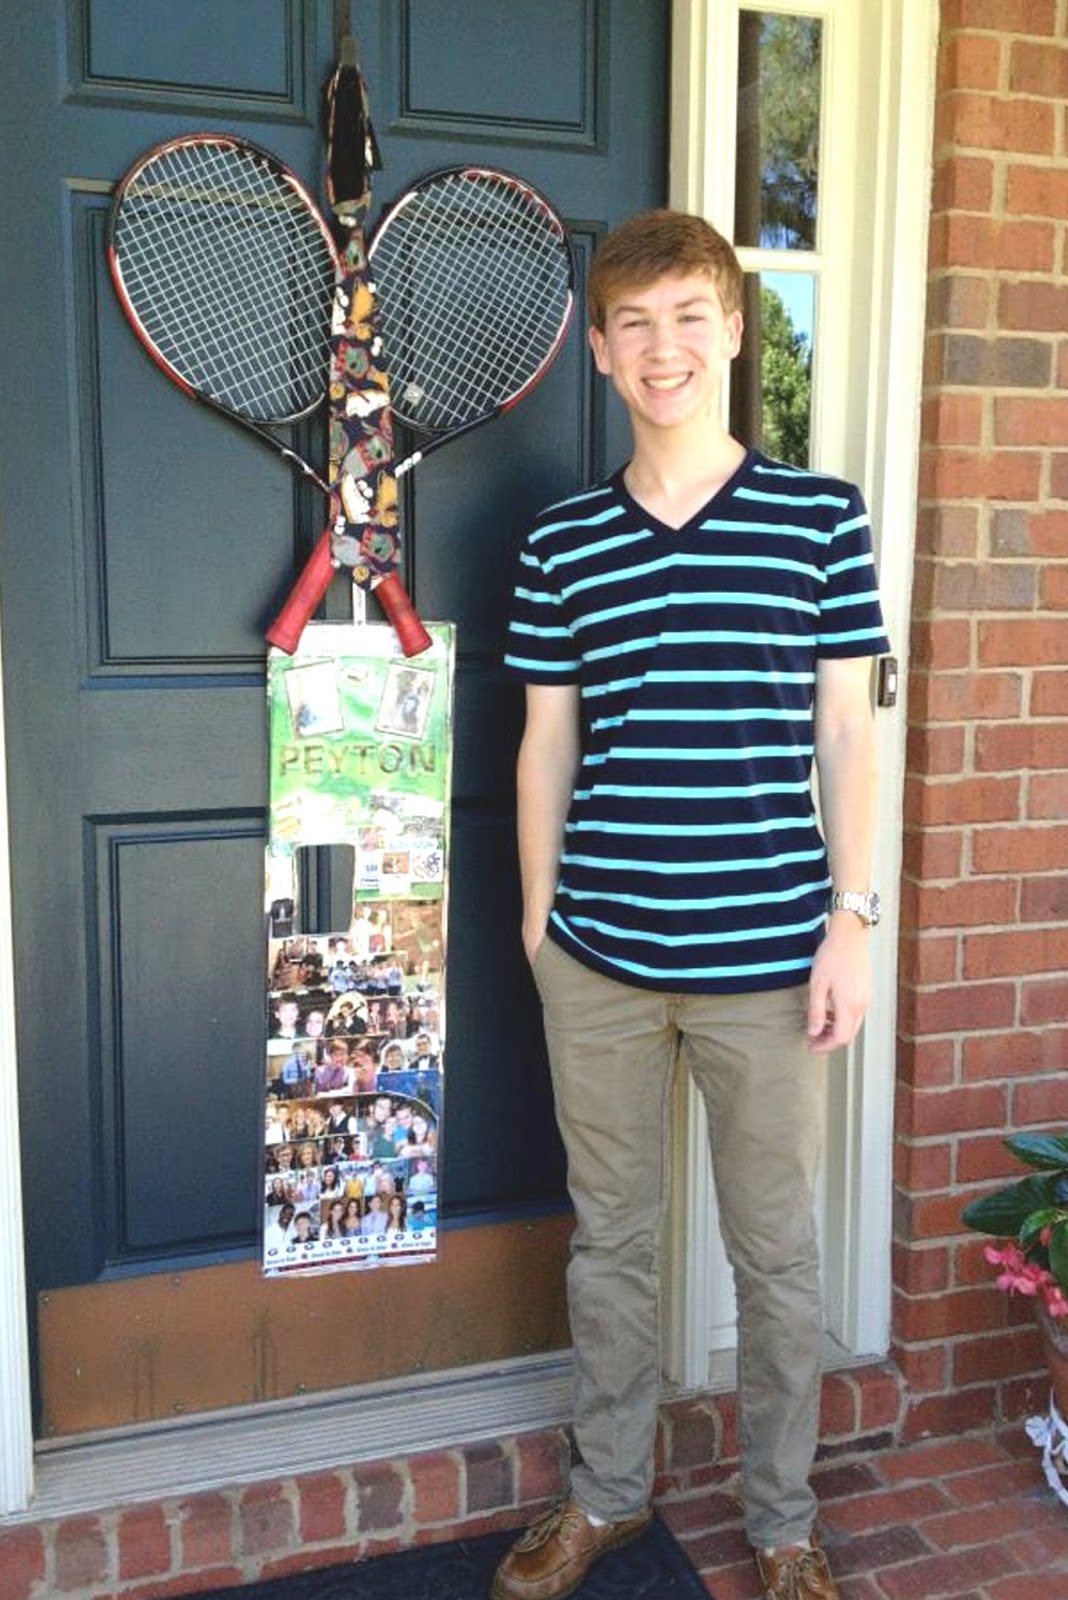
column 866, row 427
column 16, row 1426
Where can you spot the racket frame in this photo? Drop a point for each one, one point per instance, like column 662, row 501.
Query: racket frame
column 430, row 439
column 388, row 588
column 319, row 569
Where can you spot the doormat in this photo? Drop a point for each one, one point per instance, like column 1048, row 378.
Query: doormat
column 652, row 1568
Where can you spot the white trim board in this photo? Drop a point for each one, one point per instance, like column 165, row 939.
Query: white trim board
column 877, row 128
column 16, row 1426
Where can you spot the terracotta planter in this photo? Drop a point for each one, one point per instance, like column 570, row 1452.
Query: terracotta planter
column 1054, row 1332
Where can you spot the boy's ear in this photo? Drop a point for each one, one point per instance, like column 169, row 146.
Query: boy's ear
column 735, row 328
column 599, row 347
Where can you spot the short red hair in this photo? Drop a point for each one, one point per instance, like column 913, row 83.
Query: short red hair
column 661, row 244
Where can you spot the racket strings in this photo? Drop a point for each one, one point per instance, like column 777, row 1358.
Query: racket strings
column 474, row 283
column 231, row 278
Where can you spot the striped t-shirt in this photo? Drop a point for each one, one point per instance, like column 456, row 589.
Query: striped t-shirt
column 692, row 859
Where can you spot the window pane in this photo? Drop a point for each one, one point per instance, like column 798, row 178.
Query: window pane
column 778, row 130
column 771, row 384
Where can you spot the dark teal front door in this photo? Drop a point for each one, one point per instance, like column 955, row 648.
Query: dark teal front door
column 146, row 544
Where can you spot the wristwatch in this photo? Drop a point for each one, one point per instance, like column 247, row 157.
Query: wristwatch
column 865, row 906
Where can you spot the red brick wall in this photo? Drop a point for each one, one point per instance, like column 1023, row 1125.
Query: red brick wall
column 984, row 950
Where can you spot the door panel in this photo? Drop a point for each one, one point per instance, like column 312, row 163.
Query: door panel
column 145, row 545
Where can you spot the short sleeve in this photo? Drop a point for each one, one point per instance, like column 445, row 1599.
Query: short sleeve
column 851, row 617
column 541, row 647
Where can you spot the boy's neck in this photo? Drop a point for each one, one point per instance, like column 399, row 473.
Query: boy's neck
column 674, row 477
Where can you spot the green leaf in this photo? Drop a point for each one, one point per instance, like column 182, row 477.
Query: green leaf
column 1058, row 1252
column 1046, row 1150
column 1006, row 1211
column 1045, row 1218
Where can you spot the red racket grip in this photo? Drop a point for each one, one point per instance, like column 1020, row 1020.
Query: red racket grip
column 393, row 598
column 305, row 597
column 312, row 584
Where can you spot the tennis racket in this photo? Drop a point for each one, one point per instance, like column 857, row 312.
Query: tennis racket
column 226, row 271
column 474, row 277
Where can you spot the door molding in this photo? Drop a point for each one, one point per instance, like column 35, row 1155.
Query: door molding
column 870, row 434
column 16, row 1423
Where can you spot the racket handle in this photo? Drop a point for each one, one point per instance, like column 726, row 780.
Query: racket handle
column 305, row 597
column 312, row 584
column 392, row 597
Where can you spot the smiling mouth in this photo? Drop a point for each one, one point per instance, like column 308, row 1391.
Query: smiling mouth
column 666, row 385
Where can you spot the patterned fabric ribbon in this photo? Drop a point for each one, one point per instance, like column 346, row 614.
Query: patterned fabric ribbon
column 363, row 506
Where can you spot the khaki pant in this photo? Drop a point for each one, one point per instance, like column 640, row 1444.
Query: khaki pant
column 613, row 1050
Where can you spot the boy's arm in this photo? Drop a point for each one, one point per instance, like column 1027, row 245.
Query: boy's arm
column 840, row 986
column 545, row 777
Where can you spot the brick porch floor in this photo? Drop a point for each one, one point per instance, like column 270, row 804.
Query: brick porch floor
column 965, row 1519
column 969, row 1517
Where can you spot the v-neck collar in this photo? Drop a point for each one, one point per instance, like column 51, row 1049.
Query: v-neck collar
column 725, row 490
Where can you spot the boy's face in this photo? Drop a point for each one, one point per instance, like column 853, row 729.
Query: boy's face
column 666, row 347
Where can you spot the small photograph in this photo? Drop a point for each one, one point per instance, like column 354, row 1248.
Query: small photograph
column 347, row 1018
column 276, row 1230
column 313, row 699
column 418, row 938
column 388, row 1017
column 424, row 1088
column 422, row 1221
column 297, row 963
column 331, row 1188
column 332, row 1212
column 421, row 1134
column 397, row 1126
column 385, row 1178
column 333, row 1074
column 306, row 1183
column 280, row 1158
column 421, row 1182
column 296, row 1014
column 303, row 1231
column 280, row 1190
column 290, row 1076
column 345, row 1067
column 424, row 1012
column 352, row 1216
column 405, row 701
column 342, row 1121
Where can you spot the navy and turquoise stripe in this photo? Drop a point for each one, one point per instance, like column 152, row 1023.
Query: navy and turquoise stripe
column 693, row 860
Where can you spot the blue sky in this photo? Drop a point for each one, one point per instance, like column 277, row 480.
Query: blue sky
column 797, row 291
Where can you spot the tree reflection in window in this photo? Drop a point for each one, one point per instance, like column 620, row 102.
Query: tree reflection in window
column 779, row 81
column 771, row 386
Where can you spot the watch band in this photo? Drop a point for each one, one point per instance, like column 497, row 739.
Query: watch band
column 864, row 904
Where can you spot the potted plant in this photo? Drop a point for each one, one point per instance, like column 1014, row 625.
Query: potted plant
column 1030, row 1219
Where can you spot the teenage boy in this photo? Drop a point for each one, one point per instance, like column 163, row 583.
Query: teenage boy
column 693, row 634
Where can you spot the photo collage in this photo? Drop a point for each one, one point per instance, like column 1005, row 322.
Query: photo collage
column 360, row 757
column 354, row 1086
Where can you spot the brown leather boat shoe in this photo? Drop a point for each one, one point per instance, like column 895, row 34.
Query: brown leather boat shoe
column 797, row 1572
column 551, row 1559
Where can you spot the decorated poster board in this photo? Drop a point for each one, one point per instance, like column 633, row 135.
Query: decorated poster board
column 360, row 755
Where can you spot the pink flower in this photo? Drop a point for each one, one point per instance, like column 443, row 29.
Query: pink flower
column 1056, row 1300
column 1010, row 1256
column 1020, row 1276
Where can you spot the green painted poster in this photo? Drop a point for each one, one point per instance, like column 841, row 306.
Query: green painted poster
column 360, row 755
